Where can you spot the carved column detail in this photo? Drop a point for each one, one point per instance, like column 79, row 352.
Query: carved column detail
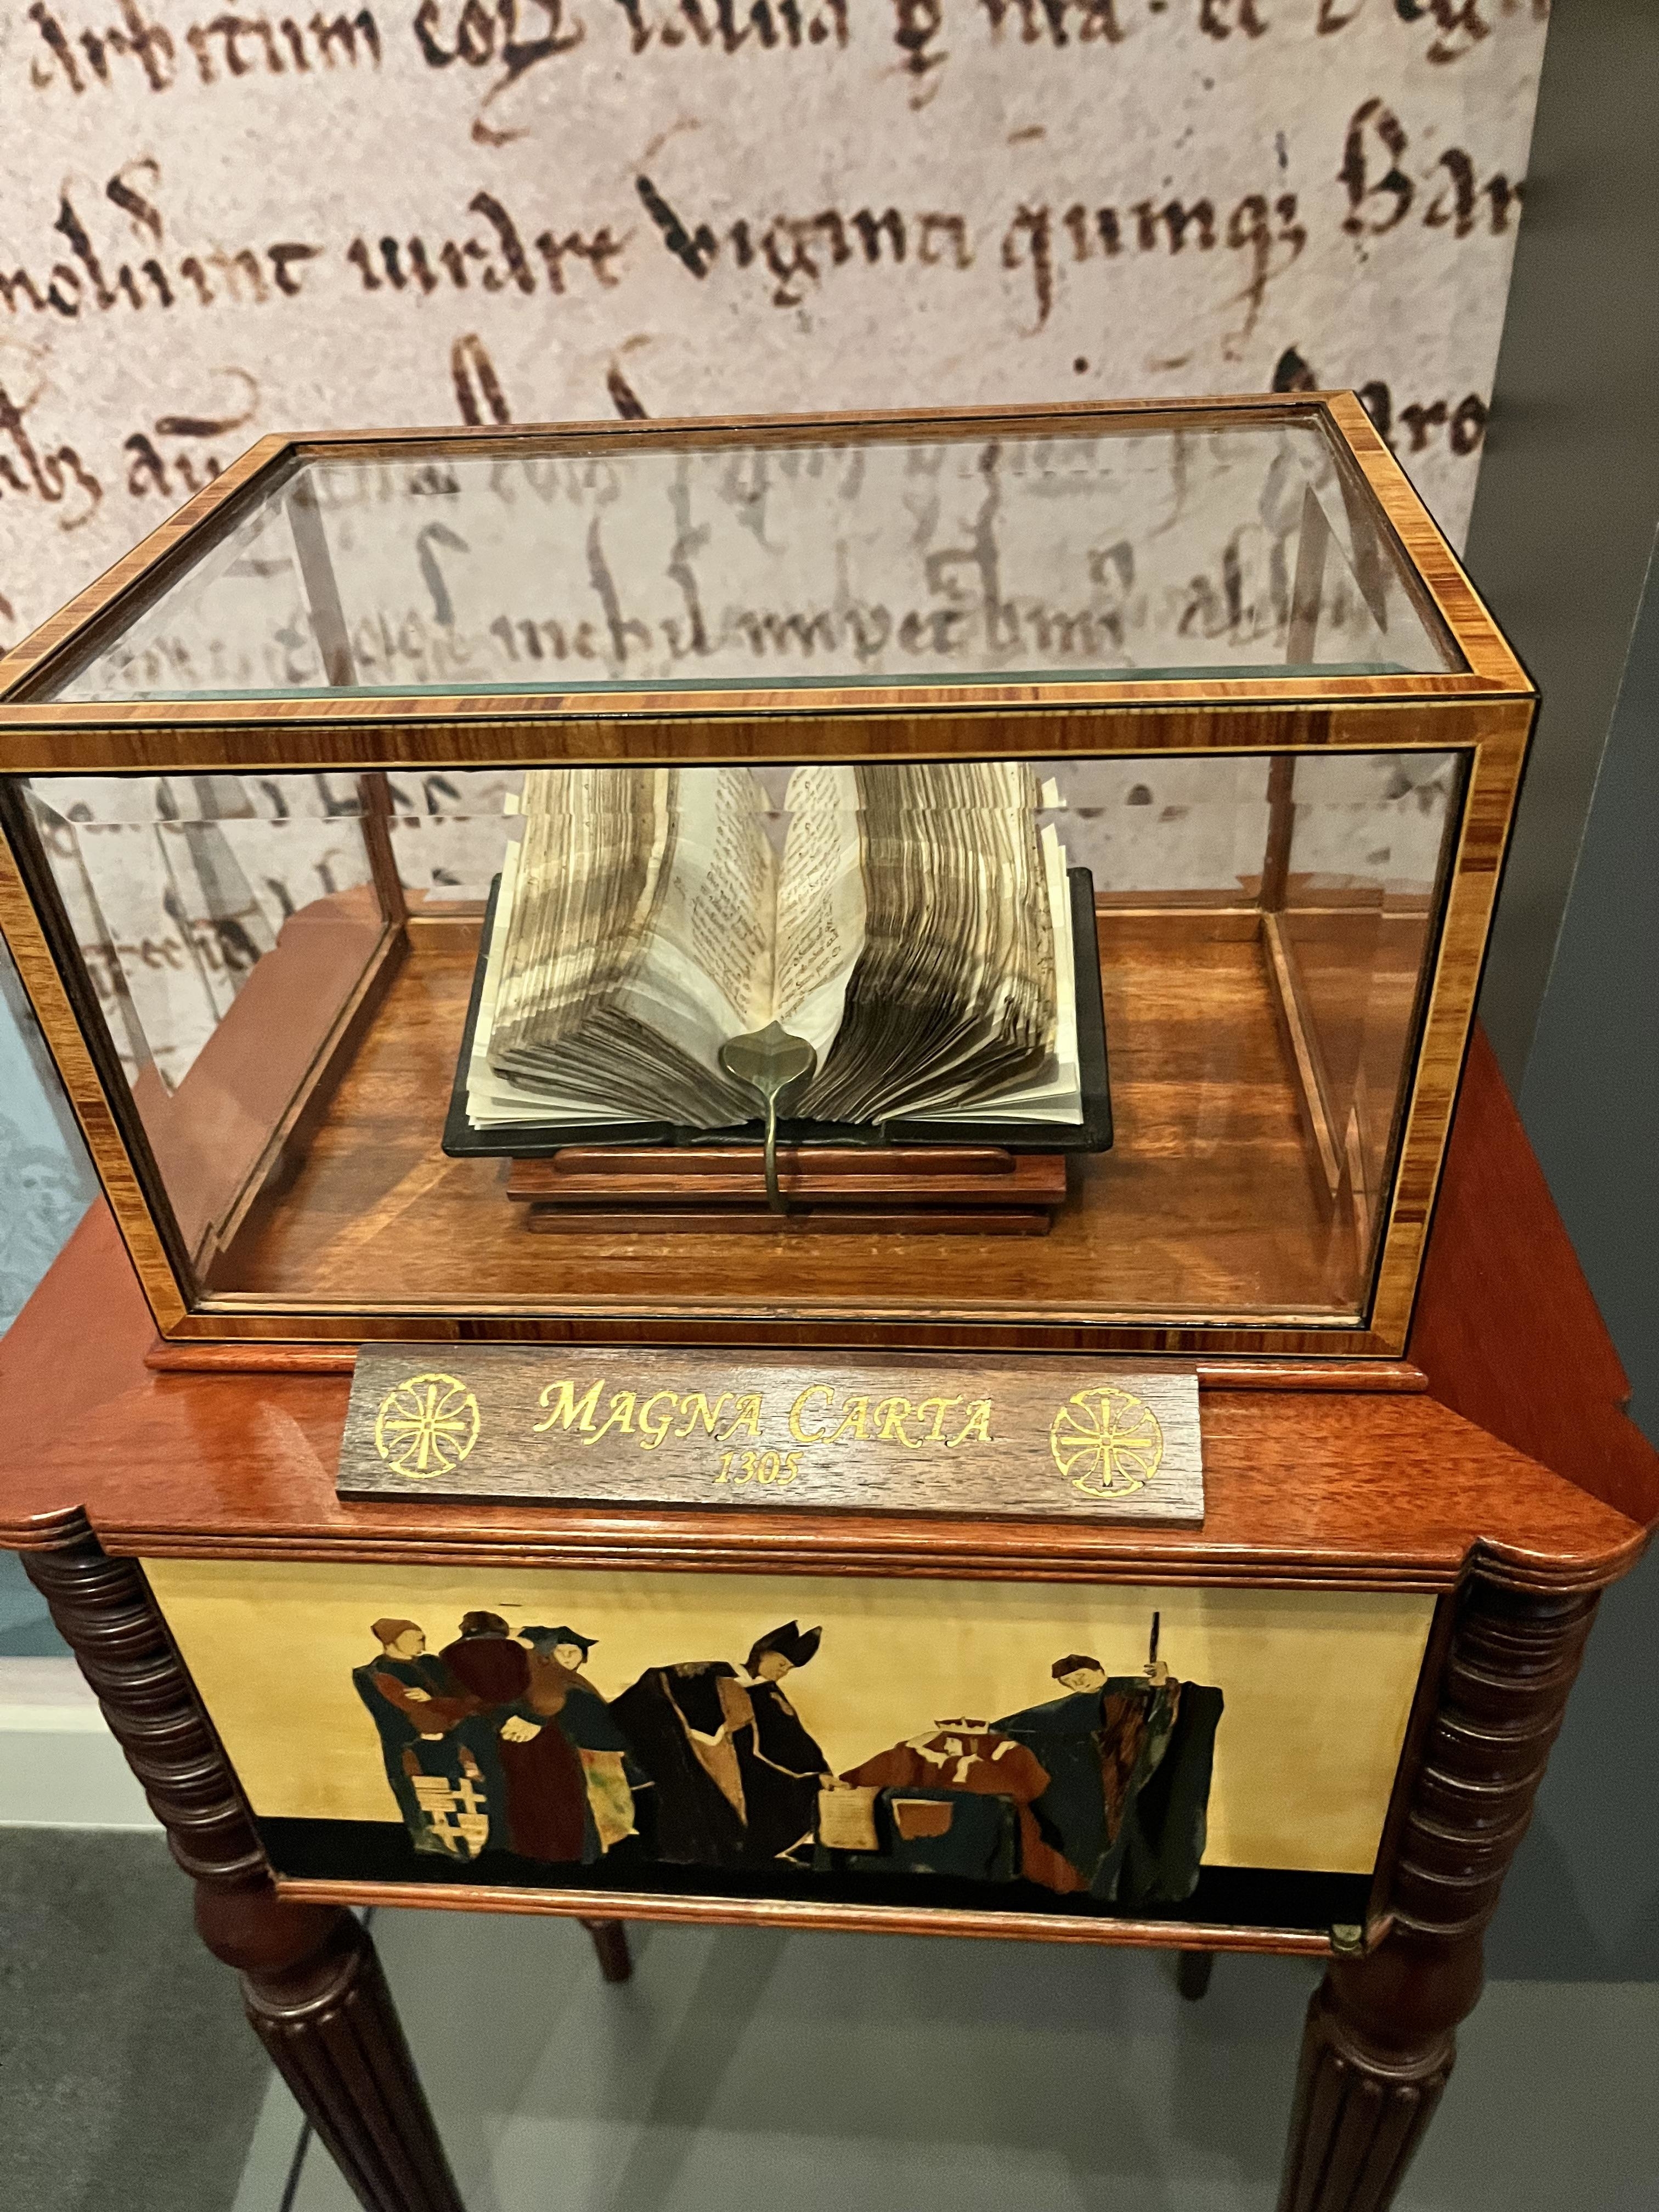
column 1381, row 2034
column 310, row 1981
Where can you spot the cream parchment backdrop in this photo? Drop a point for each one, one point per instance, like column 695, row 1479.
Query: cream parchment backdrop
column 215, row 224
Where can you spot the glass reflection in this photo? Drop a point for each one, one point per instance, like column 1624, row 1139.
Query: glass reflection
column 1097, row 553
column 1266, row 926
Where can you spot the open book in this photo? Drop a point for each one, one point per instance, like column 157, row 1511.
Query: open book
column 914, row 927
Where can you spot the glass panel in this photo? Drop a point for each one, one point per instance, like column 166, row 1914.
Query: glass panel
column 1367, row 850
column 528, row 1109
column 225, row 925
column 1092, row 554
column 448, row 833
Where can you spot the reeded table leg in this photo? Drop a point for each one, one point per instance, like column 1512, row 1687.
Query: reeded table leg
column 1380, row 2038
column 610, row 1944
column 1375, row 2055
column 310, row 1981
column 1193, row 1972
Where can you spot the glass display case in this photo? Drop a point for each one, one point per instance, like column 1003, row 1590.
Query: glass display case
column 1105, row 805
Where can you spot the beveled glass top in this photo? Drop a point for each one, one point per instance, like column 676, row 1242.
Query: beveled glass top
column 1109, row 549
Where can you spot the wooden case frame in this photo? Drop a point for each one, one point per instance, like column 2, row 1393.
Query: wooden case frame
column 1483, row 711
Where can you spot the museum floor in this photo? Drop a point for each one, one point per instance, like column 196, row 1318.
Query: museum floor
column 739, row 2069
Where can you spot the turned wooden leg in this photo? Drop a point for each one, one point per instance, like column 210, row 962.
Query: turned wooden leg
column 1193, row 1972
column 1381, row 2033
column 611, row 1942
column 311, row 1982
column 1375, row 2055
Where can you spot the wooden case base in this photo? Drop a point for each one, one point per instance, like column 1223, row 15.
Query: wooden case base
column 972, row 1190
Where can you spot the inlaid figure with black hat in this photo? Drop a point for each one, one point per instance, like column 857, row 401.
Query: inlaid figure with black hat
column 737, row 1774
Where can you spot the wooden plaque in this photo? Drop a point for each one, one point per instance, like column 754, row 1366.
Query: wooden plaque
column 1039, row 1438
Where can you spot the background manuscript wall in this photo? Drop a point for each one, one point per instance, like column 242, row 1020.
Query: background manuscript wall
column 216, row 221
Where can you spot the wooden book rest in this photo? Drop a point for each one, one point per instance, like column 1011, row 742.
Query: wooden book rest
column 939, row 1190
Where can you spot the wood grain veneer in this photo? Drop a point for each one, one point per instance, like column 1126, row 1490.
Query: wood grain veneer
column 1367, row 1375
column 808, row 1174
column 1507, row 1330
column 596, row 1191
column 1354, row 714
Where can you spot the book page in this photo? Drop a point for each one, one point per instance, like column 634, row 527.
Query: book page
column 1056, row 1093
column 594, row 845
column 952, row 997
column 491, row 1097
column 712, row 933
column 601, row 1008
column 639, row 1042
column 821, row 908
column 909, row 935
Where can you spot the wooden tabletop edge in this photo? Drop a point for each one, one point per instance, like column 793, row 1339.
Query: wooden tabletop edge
column 1190, row 1567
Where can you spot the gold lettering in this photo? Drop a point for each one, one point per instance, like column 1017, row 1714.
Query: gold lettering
column 806, row 1436
column 618, row 1414
column 853, row 1417
column 976, row 1429
column 890, row 1415
column 745, row 1419
column 940, row 1408
column 567, row 1407
column 653, row 1429
column 697, row 1407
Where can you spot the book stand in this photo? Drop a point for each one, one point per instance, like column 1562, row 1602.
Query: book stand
column 980, row 1190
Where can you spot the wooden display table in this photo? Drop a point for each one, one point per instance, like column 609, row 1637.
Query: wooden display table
column 1478, row 1501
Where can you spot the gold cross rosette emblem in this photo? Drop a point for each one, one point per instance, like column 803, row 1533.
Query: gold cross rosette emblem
column 1106, row 1442
column 427, row 1426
